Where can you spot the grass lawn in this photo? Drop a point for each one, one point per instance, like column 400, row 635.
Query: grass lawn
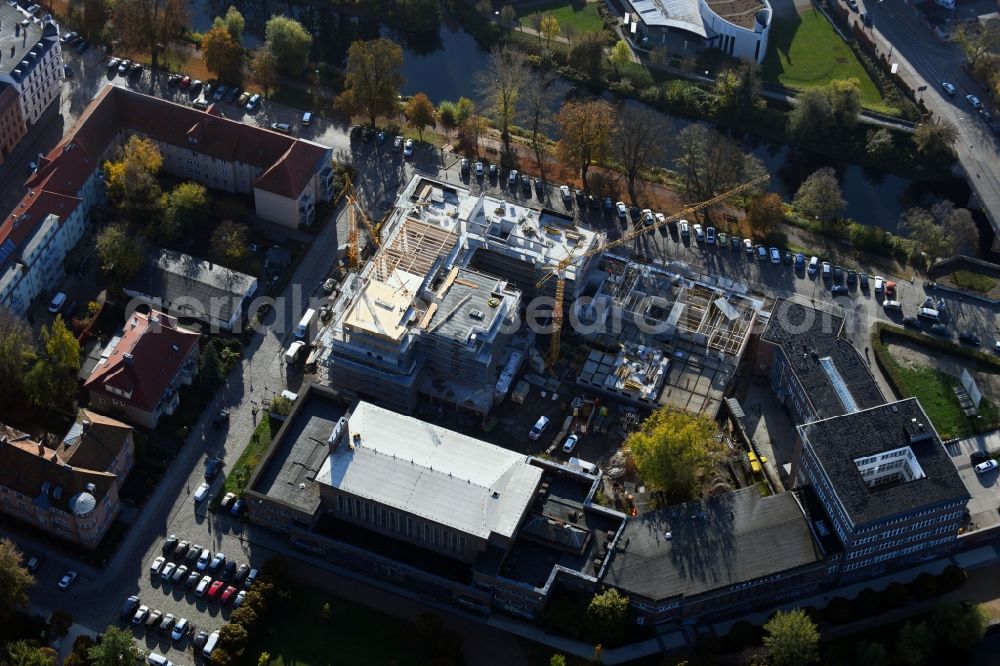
column 350, row 635
column 239, row 475
column 809, row 52
column 583, row 17
column 974, row 281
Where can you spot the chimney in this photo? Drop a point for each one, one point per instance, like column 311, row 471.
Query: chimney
column 41, row 449
column 127, row 358
column 154, row 322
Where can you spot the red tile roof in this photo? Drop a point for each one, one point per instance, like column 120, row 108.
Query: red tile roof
column 156, row 351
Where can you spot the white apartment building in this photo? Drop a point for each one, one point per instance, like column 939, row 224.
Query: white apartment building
column 30, row 58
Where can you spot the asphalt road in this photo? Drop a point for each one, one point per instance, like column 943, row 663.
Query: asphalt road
column 94, row 600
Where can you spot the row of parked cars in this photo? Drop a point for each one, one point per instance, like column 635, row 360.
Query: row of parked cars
column 140, row 615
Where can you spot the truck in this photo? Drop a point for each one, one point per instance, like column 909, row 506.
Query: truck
column 307, row 326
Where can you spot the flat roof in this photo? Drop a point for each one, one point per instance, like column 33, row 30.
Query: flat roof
column 382, row 307
column 466, row 305
column 839, row 441
column 714, row 543
column 428, row 471
column 681, row 14
column 289, row 472
column 832, row 373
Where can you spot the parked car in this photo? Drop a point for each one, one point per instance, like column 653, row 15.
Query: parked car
column 540, row 425
column 217, row 561
column 863, row 279
column 974, row 101
column 180, row 629
column 480, row 170
column 216, row 587
column 244, row 98
column 800, row 262
column 251, row 577
column 723, row 240
column 241, row 573
column 890, row 289
column 185, row 82
column 237, row 507
column 736, row 242
column 879, row 283
column 180, row 574
column 156, row 566
column 129, row 607
column 240, row 596
column 570, row 443
column 977, row 457
column 153, row 619
column 167, row 623
column 912, row 321
column 195, row 87
column 67, row 579
column 253, row 103
column 939, row 329
column 193, row 554
column 813, row 265
column 203, row 586
column 228, row 570
column 227, row 594
column 969, row 338
column 192, row 579
column 408, row 148
column 699, row 233
column 838, row 274
column 201, row 493
column 839, row 290
column 200, row 639
column 948, row 88
column 852, row 277
column 203, row 559
column 212, row 468
column 140, row 615
column 169, row 544
column 748, row 246
column 827, row 270
column 761, row 253
column 710, row 236
column 284, row 128
column 168, row 572
column 984, row 467
column 228, row 499
column 775, row 255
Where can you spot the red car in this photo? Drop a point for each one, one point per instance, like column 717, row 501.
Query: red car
column 890, row 289
column 213, row 591
column 227, row 594
column 185, row 82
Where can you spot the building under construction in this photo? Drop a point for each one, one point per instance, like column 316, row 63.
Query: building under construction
column 428, row 313
column 661, row 337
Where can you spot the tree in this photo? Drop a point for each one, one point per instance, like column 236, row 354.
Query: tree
column 549, row 27
column 465, row 108
column 607, row 617
column 557, row 660
column 233, row 23
column 23, row 653
column 233, row 638
column 536, row 111
column 471, row 131
column 940, row 232
column 710, row 163
column 52, row 379
column 936, row 137
column 845, row 102
column 959, row 625
column 738, row 88
column 131, row 179
column 870, row 653
column 447, row 114
column 264, row 659
column 981, row 43
column 500, row 85
column 117, row 647
column 959, row 227
column 879, row 142
column 16, row 352
column 183, row 207
column 289, row 42
column 640, row 141
column 819, row 196
column 15, row 579
column 146, row 26
column 791, row 639
column 913, row 644
column 587, row 55
column 222, row 657
column 672, row 450
column 420, row 113
column 585, row 133
column 373, row 78
column 621, row 55
column 264, row 69
column 120, row 252
column 222, row 54
column 95, row 18
column 825, row 111
column 765, row 212
column 535, row 23
column 508, row 17
column 229, row 241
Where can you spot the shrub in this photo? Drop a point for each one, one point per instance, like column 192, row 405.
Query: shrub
column 925, row 586
column 952, row 578
column 868, row 602
column 895, row 595
column 744, row 634
column 839, row 611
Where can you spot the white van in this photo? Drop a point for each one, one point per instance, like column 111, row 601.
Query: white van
column 305, row 324
column 892, row 305
column 57, row 302
column 929, row 313
column 293, row 352
column 539, row 427
column 210, row 644
column 307, row 118
column 157, row 659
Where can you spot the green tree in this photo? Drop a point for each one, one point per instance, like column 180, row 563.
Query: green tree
column 222, row 657
column 959, row 625
column 23, row 653
column 845, row 102
column 233, row 638
column 557, row 660
column 672, row 450
column 913, row 644
column 791, row 639
column 15, row 580
column 508, row 17
column 184, row 207
column 765, row 213
column 585, row 130
column 16, row 353
column 131, row 179
column 607, row 617
column 289, row 42
column 963, row 234
column 879, row 142
column 936, row 137
column 738, row 88
column 264, row 659
column 819, row 196
column 233, row 23
column 372, row 79
column 709, row 163
column 148, row 26
column 812, row 116
column 640, row 140
column 210, row 370
column 222, row 54
column 621, row 55
column 120, row 252
column 500, row 85
column 264, row 69
column 465, row 108
column 52, row 379
column 549, row 28
column 870, row 653
column 229, row 241
column 919, row 225
column 587, row 55
column 980, row 43
column 116, row 648
column 420, row 113
column 448, row 115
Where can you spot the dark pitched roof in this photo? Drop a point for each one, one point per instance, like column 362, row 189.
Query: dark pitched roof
column 807, row 336
column 38, row 472
column 173, row 276
column 837, row 442
column 94, row 441
column 149, row 354
column 714, row 543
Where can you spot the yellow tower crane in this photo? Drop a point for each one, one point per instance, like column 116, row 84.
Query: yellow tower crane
column 560, row 269
column 355, row 210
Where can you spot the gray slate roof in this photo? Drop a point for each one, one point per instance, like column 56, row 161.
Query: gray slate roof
column 714, row 543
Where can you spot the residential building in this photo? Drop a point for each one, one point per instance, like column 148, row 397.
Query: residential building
column 814, row 371
column 287, row 177
column 71, row 489
column 890, row 491
column 142, row 369
column 185, row 286
column 738, row 29
column 12, row 126
column 31, row 58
